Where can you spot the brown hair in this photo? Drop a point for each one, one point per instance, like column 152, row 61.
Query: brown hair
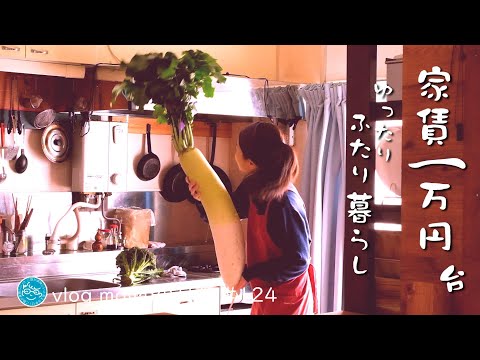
column 277, row 164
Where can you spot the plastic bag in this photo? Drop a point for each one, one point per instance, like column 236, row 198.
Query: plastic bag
column 136, row 225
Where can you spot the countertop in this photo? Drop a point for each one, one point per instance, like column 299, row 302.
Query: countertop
column 152, row 287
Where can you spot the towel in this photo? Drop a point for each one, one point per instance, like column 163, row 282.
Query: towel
column 175, row 271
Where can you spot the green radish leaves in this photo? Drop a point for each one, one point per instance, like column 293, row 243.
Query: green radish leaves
column 172, row 84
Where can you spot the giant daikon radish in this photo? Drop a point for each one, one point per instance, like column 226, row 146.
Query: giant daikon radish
column 222, row 216
column 171, row 83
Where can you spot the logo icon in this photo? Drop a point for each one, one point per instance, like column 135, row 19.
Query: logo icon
column 32, row 291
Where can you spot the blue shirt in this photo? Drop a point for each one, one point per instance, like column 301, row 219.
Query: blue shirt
column 287, row 225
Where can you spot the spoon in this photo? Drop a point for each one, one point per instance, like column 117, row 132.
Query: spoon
column 3, row 174
column 22, row 162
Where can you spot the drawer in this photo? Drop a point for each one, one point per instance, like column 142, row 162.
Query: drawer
column 189, row 302
column 64, row 309
column 135, row 305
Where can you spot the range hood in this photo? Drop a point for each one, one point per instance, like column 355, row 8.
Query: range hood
column 233, row 101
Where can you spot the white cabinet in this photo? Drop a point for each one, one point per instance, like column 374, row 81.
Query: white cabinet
column 12, row 51
column 133, row 305
column 191, row 302
column 251, row 60
column 75, row 54
column 69, row 54
column 63, row 309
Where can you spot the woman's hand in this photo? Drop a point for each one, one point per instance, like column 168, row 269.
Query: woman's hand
column 193, row 188
column 241, row 284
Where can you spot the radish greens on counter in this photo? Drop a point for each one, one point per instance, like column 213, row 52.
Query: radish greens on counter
column 172, row 83
column 137, row 266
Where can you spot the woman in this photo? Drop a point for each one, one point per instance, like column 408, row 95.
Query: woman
column 278, row 237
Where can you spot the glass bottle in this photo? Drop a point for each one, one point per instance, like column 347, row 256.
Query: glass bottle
column 121, row 240
column 114, row 232
column 110, row 245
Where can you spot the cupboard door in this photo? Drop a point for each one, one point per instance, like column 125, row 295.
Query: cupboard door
column 63, row 309
column 251, row 60
column 12, row 51
column 74, row 54
column 191, row 302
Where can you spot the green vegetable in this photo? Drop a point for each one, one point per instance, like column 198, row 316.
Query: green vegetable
column 172, row 84
column 136, row 266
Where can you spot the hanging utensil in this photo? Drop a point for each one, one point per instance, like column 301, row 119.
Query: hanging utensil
column 55, row 143
column 19, row 120
column 149, row 165
column 22, row 162
column 34, row 101
column 3, row 174
column 11, row 116
column 45, row 117
column 11, row 152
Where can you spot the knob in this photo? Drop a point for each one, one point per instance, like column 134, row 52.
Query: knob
column 115, row 178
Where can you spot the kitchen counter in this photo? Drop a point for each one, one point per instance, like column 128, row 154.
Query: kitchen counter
column 153, row 287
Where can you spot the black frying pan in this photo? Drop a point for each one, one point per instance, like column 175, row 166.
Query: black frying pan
column 149, row 165
column 175, row 188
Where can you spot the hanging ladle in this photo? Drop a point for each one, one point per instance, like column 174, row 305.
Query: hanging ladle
column 22, row 162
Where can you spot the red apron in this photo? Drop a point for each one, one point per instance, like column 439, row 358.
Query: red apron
column 294, row 297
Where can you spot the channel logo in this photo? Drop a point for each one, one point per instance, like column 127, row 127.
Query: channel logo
column 32, row 291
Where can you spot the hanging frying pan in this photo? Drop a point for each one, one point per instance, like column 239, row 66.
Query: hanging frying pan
column 221, row 174
column 149, row 165
column 175, row 188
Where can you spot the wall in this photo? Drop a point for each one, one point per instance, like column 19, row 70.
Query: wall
column 336, row 61
column 301, row 63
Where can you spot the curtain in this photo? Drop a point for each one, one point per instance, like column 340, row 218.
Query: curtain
column 323, row 186
column 282, row 103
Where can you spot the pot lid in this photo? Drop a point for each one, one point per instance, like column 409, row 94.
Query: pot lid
column 55, row 143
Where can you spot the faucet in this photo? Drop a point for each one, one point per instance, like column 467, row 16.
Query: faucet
column 54, row 243
column 119, row 221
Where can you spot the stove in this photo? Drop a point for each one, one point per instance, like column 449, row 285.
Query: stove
column 207, row 268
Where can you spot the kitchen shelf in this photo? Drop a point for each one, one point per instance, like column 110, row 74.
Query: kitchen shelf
column 27, row 118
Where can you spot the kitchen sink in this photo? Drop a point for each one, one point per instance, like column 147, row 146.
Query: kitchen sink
column 9, row 289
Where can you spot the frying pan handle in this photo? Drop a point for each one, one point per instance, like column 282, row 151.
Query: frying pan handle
column 149, row 144
column 213, row 127
column 2, row 125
